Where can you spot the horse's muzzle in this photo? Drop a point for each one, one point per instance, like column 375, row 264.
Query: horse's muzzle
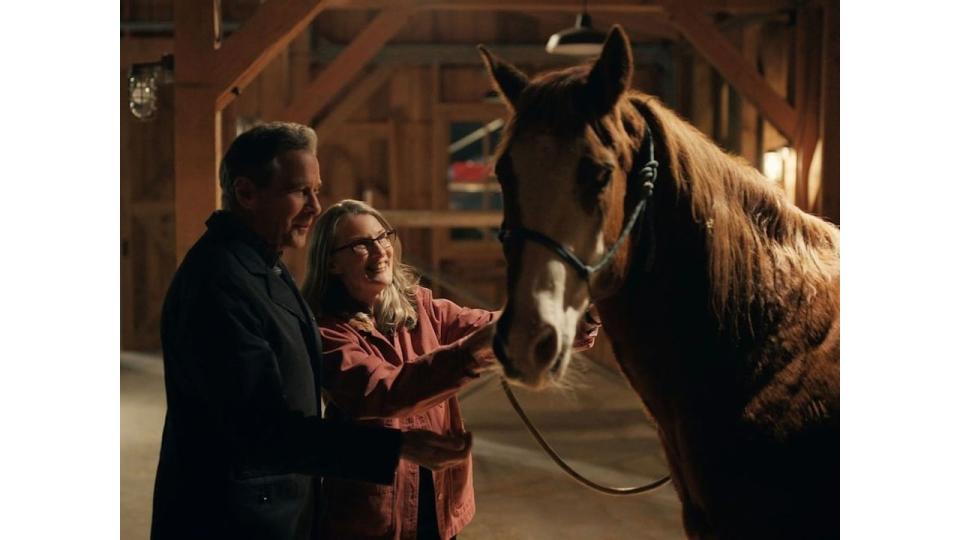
column 500, row 351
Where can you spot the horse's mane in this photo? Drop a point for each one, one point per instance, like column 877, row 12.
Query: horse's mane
column 764, row 252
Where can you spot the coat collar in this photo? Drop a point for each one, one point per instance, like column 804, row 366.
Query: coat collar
column 258, row 259
column 249, row 248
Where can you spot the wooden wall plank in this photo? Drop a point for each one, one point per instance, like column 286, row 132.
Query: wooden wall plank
column 359, row 93
column 196, row 122
column 830, row 110
column 261, row 38
column 575, row 6
column 708, row 40
column 749, row 115
column 807, row 85
column 325, row 86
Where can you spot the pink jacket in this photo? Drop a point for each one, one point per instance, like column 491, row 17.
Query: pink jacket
column 405, row 382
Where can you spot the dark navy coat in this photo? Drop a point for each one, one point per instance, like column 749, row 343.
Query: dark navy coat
column 243, row 443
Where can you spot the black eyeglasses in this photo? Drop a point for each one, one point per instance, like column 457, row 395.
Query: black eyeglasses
column 364, row 246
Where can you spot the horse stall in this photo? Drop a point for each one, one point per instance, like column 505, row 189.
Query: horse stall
column 413, row 119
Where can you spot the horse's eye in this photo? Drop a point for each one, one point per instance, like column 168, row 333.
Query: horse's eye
column 604, row 176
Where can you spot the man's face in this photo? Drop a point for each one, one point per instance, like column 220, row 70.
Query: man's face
column 284, row 211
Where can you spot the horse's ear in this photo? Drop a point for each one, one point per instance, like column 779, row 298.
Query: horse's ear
column 508, row 80
column 612, row 73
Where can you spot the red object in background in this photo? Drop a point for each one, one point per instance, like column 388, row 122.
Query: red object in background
column 469, row 171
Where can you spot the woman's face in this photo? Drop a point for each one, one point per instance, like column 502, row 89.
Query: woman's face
column 363, row 256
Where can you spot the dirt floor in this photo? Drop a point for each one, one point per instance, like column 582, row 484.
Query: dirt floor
column 597, row 426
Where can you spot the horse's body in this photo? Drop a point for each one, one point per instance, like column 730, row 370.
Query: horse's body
column 723, row 308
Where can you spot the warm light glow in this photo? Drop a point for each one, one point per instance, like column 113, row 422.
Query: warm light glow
column 780, row 167
column 773, row 166
column 777, row 163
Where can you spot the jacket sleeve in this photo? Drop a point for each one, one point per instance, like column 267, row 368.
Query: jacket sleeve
column 456, row 322
column 224, row 361
column 362, row 383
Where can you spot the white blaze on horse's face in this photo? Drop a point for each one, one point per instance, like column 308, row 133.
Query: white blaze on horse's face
column 548, row 296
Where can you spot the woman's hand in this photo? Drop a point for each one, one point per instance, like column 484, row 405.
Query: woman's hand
column 587, row 329
column 480, row 346
column 435, row 451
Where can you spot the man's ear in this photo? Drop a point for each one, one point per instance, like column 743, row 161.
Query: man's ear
column 246, row 193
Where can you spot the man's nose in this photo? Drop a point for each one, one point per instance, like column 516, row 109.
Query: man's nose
column 313, row 203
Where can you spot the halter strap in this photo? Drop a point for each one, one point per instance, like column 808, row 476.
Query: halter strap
column 647, row 173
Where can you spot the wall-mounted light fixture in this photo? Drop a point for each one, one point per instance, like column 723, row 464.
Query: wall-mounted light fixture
column 780, row 167
column 581, row 40
column 143, row 82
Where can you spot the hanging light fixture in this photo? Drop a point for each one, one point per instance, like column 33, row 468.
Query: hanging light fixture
column 143, row 83
column 581, row 40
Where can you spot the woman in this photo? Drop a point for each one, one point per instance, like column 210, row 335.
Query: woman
column 395, row 356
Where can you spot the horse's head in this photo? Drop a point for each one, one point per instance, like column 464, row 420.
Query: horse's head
column 563, row 167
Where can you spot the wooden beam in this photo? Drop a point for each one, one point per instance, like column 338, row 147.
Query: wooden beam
column 807, row 87
column 750, row 147
column 726, row 59
column 444, row 53
column 195, row 40
column 358, row 95
column 442, row 218
column 575, row 6
column 325, row 86
column 830, row 111
column 196, row 150
column 196, row 140
column 268, row 31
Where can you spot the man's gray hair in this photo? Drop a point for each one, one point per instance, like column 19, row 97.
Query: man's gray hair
column 254, row 155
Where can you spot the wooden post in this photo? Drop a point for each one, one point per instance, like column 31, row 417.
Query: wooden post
column 196, row 143
column 710, row 42
column 749, row 117
column 830, row 96
column 208, row 78
column 807, row 96
column 325, row 86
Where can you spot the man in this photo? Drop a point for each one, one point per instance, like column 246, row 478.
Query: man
column 243, row 443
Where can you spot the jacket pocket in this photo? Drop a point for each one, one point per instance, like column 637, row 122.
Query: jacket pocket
column 355, row 508
column 268, row 506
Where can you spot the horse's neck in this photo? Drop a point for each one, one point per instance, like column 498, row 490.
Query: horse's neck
column 664, row 325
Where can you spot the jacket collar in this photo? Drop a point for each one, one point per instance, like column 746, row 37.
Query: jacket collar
column 254, row 254
column 250, row 249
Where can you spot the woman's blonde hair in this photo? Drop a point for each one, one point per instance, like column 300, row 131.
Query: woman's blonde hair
column 325, row 294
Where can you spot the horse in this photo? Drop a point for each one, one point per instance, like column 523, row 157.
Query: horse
column 719, row 296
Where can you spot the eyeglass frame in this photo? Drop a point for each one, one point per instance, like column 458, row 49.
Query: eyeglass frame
column 389, row 235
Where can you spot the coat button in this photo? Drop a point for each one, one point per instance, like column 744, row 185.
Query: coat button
column 264, row 498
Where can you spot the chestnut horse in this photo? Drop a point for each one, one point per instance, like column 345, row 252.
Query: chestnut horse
column 720, row 297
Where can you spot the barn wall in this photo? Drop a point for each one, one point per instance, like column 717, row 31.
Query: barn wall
column 388, row 145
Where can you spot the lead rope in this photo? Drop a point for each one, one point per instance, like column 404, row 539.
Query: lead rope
column 563, row 464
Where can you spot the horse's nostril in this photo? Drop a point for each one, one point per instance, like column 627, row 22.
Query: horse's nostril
column 499, row 350
column 545, row 349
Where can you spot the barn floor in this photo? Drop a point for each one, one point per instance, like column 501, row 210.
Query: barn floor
column 521, row 494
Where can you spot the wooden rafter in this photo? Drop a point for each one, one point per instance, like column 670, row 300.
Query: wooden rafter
column 596, row 6
column 359, row 94
column 196, row 139
column 325, row 86
column 244, row 54
column 727, row 60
